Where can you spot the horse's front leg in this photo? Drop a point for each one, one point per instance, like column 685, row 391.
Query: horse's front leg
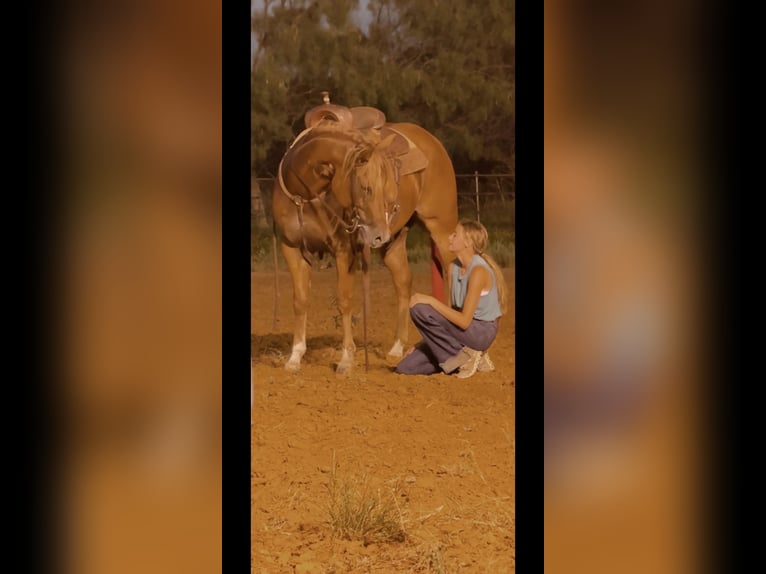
column 301, row 274
column 344, row 260
column 395, row 259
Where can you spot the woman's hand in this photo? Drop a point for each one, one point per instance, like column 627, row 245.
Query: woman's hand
column 421, row 298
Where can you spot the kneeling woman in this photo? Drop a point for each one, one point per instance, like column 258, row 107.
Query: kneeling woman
column 456, row 338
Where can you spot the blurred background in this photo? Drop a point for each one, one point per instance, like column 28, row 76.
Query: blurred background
column 138, row 93
column 140, row 249
column 623, row 327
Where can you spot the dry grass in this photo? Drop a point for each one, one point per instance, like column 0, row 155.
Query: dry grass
column 357, row 511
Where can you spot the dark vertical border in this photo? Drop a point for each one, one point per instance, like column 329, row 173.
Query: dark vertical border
column 236, row 286
column 27, row 135
column 529, row 278
column 735, row 233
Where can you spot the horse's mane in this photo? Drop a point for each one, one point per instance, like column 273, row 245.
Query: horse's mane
column 364, row 144
column 373, row 166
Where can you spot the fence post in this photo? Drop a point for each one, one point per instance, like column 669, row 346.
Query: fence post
column 478, row 209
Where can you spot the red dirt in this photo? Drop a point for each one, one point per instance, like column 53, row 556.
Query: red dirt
column 441, row 447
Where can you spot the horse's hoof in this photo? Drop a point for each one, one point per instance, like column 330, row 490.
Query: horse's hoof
column 292, row 367
column 397, row 350
column 344, row 368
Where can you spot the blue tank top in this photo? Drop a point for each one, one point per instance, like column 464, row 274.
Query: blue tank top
column 488, row 308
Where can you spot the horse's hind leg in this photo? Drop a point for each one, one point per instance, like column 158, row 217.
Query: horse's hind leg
column 395, row 259
column 440, row 233
column 344, row 260
column 301, row 274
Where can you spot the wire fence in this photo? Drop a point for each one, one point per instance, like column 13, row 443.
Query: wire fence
column 478, row 195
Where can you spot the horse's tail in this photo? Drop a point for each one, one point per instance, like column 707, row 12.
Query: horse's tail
column 437, row 274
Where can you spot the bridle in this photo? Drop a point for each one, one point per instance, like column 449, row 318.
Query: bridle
column 321, row 205
column 390, row 209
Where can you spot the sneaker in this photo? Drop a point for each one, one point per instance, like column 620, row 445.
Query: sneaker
column 470, row 367
column 457, row 361
column 485, row 364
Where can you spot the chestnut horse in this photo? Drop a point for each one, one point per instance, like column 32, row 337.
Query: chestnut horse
column 350, row 182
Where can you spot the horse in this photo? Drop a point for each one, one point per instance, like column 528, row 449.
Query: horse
column 351, row 182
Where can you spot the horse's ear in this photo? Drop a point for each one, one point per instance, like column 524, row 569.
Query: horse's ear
column 325, row 170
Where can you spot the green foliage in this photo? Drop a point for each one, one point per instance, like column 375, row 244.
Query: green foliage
column 499, row 221
column 447, row 65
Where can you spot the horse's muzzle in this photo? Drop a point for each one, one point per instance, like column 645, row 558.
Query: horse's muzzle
column 374, row 236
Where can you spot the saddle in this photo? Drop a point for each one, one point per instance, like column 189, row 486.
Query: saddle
column 358, row 118
column 401, row 150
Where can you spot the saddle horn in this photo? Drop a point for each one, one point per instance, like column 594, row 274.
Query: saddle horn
column 340, row 114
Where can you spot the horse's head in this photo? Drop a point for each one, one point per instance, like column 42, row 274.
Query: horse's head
column 374, row 190
column 310, row 164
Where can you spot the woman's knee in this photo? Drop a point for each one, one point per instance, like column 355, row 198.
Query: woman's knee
column 416, row 363
column 405, row 366
column 419, row 312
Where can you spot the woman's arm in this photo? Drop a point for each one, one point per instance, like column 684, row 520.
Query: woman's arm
column 479, row 281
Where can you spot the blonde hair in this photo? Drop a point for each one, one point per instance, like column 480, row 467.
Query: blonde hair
column 477, row 234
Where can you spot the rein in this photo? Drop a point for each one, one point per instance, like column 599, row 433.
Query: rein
column 389, row 219
column 348, row 227
column 391, row 210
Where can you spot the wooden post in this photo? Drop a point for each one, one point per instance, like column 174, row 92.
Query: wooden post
column 478, row 209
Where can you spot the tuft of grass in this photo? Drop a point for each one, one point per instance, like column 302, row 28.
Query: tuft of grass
column 436, row 560
column 419, row 253
column 261, row 250
column 504, row 254
column 356, row 511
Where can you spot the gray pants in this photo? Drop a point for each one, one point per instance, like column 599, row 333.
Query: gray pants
column 442, row 339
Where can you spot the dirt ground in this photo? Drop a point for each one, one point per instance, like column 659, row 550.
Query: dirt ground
column 439, row 450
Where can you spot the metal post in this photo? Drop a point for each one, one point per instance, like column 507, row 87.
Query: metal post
column 476, row 178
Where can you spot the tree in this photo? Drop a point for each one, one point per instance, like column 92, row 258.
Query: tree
column 446, row 65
